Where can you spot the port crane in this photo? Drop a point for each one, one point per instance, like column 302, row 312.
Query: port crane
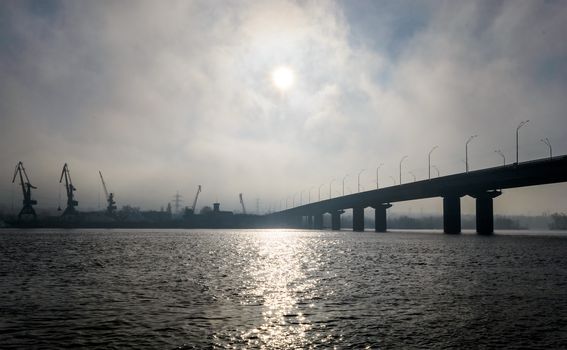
column 111, row 207
column 242, row 203
column 195, row 200
column 71, row 202
column 27, row 209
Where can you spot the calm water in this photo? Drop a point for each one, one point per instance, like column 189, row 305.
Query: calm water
column 275, row 289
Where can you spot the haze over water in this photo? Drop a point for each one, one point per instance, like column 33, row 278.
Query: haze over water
column 281, row 289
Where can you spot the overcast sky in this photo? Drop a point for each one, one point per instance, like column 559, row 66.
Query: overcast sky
column 162, row 96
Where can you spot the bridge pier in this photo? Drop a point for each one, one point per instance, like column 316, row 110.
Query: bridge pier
column 380, row 223
column 310, row 222
column 452, row 214
column 358, row 219
column 294, row 221
column 318, row 221
column 336, row 220
column 485, row 212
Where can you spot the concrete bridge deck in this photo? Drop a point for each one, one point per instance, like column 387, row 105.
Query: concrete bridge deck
column 483, row 185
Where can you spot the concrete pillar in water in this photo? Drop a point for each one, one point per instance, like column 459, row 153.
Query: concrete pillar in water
column 485, row 212
column 318, row 221
column 310, row 222
column 452, row 214
column 336, row 220
column 380, row 223
column 358, row 219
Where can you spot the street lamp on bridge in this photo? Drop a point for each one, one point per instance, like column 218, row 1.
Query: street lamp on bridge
column 401, row 161
column 517, row 132
column 321, row 185
column 546, row 141
column 330, row 187
column 344, row 178
column 437, row 169
column 393, row 180
column 359, row 178
column 467, row 152
column 429, row 161
column 413, row 175
column 310, row 193
column 377, row 170
column 501, row 155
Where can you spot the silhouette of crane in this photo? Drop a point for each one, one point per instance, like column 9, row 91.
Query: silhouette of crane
column 242, row 203
column 195, row 200
column 71, row 202
column 111, row 206
column 27, row 209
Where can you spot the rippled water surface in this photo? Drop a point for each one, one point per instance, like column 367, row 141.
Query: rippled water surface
column 276, row 289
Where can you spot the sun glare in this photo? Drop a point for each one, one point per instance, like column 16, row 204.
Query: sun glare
column 283, row 78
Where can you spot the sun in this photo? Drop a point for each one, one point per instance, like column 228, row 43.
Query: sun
column 283, row 78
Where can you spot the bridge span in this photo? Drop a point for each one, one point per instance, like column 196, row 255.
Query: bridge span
column 483, row 185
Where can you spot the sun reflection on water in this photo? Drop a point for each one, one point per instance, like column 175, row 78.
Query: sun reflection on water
column 284, row 290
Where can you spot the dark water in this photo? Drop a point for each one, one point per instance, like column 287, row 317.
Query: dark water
column 281, row 289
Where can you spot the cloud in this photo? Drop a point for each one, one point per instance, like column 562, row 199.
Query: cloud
column 163, row 98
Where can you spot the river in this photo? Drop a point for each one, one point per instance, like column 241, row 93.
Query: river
column 273, row 289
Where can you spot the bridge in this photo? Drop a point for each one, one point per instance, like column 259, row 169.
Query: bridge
column 483, row 185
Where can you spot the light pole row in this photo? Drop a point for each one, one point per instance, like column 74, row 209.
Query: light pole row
column 429, row 167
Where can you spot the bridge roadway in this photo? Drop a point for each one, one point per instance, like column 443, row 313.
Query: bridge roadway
column 483, row 185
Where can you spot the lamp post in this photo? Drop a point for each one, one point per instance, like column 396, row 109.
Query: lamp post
column 546, row 141
column 413, row 175
column 330, row 186
column 321, row 185
column 293, row 201
column 467, row 152
column 310, row 193
column 301, row 197
column 286, row 202
column 344, row 178
column 401, row 161
column 437, row 169
column 517, row 132
column 377, row 172
column 359, row 178
column 429, row 160
column 499, row 152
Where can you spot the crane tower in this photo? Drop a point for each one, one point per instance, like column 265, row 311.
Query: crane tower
column 27, row 209
column 71, row 202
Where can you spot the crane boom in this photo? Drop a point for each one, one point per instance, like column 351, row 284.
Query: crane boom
column 111, row 204
column 242, row 203
column 103, row 185
column 196, row 197
column 28, row 203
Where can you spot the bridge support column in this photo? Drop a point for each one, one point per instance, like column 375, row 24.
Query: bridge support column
column 380, row 223
column 336, row 220
column 358, row 219
column 452, row 214
column 293, row 221
column 485, row 212
column 318, row 222
column 310, row 222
